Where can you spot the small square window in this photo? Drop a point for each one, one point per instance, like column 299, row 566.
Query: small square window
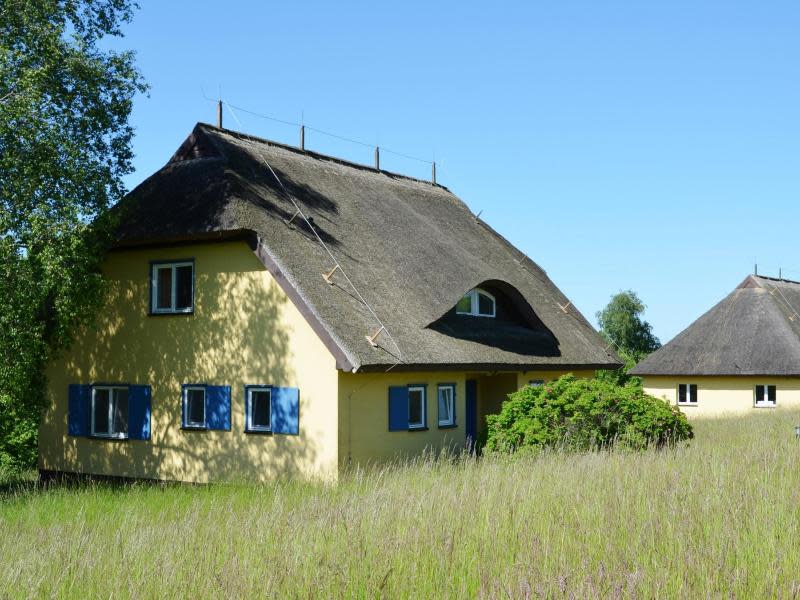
column 172, row 287
column 687, row 394
column 259, row 409
column 447, row 408
column 536, row 382
column 194, row 407
column 766, row 396
column 416, row 407
column 109, row 412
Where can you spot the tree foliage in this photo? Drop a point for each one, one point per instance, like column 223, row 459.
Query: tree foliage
column 65, row 145
column 585, row 414
column 622, row 325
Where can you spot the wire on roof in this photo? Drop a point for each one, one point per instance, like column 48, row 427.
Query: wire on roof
column 328, row 133
column 330, row 254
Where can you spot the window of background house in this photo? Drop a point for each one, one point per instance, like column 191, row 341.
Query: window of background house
column 687, row 394
column 447, row 405
column 110, row 411
column 172, row 286
column 536, row 382
column 766, row 396
column 416, row 407
column 478, row 303
column 259, row 409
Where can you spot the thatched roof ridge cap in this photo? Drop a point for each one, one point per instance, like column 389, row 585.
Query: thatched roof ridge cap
column 247, row 137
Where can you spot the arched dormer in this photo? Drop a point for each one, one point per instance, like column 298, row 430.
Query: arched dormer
column 506, row 320
column 477, row 303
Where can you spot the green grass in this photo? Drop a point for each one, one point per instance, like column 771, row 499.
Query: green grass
column 717, row 518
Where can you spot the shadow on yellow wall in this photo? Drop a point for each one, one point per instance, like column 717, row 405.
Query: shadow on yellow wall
column 243, row 331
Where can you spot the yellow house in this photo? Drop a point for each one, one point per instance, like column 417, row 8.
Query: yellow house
column 741, row 356
column 273, row 311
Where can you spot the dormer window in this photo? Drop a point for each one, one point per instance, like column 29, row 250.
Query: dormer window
column 477, row 303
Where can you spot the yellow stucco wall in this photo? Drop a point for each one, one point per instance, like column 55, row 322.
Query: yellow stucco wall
column 244, row 331
column 364, row 436
column 526, row 377
column 719, row 396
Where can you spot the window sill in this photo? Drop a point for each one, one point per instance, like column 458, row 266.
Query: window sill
column 418, row 429
column 108, row 438
column 194, row 428
column 258, row 431
column 181, row 313
column 692, row 404
column 766, row 406
column 448, row 426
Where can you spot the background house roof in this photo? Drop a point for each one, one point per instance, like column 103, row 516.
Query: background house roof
column 755, row 330
column 411, row 248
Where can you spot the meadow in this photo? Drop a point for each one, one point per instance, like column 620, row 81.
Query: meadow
column 717, row 517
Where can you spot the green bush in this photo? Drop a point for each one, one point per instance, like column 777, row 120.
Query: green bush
column 585, row 414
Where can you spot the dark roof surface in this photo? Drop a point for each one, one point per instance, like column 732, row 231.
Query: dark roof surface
column 755, row 330
column 411, row 248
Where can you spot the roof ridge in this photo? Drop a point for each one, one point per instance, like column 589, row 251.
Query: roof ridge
column 318, row 155
column 778, row 279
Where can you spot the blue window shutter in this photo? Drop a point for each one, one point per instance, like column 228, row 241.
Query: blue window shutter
column 218, row 407
column 285, row 417
column 398, row 408
column 78, row 409
column 139, row 412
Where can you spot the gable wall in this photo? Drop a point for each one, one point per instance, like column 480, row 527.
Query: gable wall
column 724, row 395
column 244, row 331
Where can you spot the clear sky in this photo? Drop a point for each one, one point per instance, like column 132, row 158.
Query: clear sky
column 651, row 146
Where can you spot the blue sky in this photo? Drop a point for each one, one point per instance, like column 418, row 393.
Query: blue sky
column 651, row 146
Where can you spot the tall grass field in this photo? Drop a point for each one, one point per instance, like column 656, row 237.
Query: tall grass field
column 718, row 517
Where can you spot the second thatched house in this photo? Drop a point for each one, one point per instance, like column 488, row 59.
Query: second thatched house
column 741, row 356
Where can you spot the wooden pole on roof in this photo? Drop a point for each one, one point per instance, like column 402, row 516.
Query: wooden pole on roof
column 219, row 114
column 433, row 171
column 378, row 158
column 302, row 137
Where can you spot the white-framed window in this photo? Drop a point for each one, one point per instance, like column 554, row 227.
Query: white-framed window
column 194, row 407
column 478, row 303
column 110, row 411
column 259, row 409
column 446, row 393
column 172, row 287
column 687, row 394
column 536, row 382
column 416, row 406
column 766, row 396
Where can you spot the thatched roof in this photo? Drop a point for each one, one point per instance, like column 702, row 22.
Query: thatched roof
column 755, row 330
column 411, row 248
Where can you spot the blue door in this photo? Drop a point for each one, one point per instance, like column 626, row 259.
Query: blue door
column 471, row 416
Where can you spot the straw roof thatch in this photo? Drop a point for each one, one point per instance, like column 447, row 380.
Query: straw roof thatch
column 755, row 330
column 410, row 247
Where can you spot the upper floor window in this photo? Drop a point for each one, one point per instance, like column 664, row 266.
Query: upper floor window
column 478, row 303
column 172, row 287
